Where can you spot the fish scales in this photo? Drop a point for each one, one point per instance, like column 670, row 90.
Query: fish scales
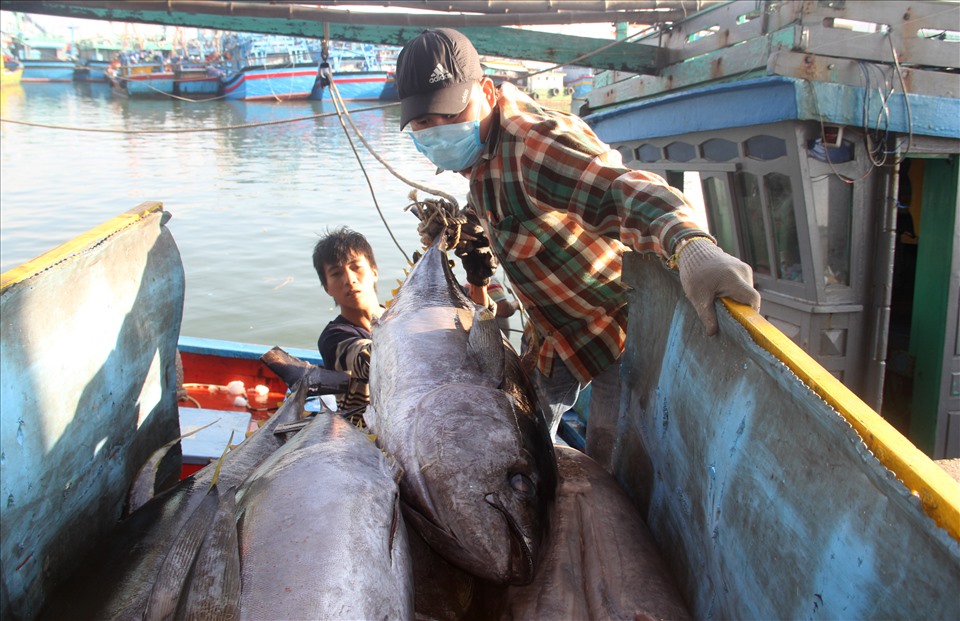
column 116, row 581
column 320, row 531
column 450, row 403
column 601, row 561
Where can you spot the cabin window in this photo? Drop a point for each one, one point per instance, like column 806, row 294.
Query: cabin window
column 691, row 184
column 755, row 242
column 648, row 153
column 680, row 152
column 784, row 223
column 833, row 205
column 719, row 150
column 765, row 147
column 720, row 213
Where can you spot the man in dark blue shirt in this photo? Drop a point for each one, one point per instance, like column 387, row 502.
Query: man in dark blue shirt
column 348, row 272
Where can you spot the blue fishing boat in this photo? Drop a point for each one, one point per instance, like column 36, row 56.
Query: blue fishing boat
column 43, row 58
column 267, row 68
column 786, row 464
column 362, row 72
column 94, row 57
column 580, row 81
column 196, row 79
column 141, row 75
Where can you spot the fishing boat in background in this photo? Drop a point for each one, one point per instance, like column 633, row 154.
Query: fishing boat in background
column 9, row 75
column 43, row 58
column 361, row 72
column 264, row 67
column 539, row 80
column 141, row 74
column 196, row 79
column 580, row 80
column 196, row 66
column 93, row 59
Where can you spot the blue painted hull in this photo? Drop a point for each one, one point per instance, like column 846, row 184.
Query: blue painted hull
column 354, row 86
column 390, row 90
column 47, row 71
column 280, row 83
column 93, row 71
column 197, row 86
column 581, row 86
column 160, row 85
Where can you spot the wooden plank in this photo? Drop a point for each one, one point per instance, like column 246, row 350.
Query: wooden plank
column 729, row 24
column 497, row 41
column 750, row 56
column 919, row 81
column 902, row 22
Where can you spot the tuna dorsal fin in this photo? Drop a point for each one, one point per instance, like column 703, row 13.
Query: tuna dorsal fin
column 485, row 345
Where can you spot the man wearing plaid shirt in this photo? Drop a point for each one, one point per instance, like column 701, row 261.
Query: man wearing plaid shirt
column 559, row 209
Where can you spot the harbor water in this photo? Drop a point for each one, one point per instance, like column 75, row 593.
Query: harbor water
column 248, row 199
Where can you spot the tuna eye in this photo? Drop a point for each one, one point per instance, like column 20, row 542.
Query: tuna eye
column 522, row 484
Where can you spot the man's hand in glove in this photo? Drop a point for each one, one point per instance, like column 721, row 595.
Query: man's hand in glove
column 707, row 272
column 475, row 254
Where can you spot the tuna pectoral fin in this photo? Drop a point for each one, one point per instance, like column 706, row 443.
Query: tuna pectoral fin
column 485, row 345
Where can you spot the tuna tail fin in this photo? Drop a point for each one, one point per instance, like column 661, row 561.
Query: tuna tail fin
column 485, row 345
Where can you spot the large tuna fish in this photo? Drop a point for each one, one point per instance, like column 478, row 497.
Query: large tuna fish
column 601, row 561
column 118, row 580
column 450, row 403
column 321, row 533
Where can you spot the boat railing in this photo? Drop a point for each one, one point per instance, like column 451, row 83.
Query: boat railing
column 141, row 69
column 816, row 41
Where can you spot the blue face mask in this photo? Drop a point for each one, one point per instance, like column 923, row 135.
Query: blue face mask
column 453, row 147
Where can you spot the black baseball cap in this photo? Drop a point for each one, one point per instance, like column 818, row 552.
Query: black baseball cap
column 435, row 73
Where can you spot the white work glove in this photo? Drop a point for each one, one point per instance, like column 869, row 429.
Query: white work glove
column 707, row 272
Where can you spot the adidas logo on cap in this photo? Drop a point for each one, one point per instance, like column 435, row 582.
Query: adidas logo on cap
column 439, row 74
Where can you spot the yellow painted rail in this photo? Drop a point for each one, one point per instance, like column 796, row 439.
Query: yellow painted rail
column 939, row 494
column 90, row 238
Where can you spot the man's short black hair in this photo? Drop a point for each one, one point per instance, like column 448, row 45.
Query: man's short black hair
column 336, row 247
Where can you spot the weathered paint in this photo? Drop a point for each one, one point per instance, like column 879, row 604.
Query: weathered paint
column 88, row 382
column 245, row 351
column 770, row 100
column 499, row 41
column 770, row 501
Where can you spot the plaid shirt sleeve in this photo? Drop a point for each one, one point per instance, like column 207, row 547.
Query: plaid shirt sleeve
column 560, row 209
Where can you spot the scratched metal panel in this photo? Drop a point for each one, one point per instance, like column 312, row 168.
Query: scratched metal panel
column 88, row 382
column 765, row 501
